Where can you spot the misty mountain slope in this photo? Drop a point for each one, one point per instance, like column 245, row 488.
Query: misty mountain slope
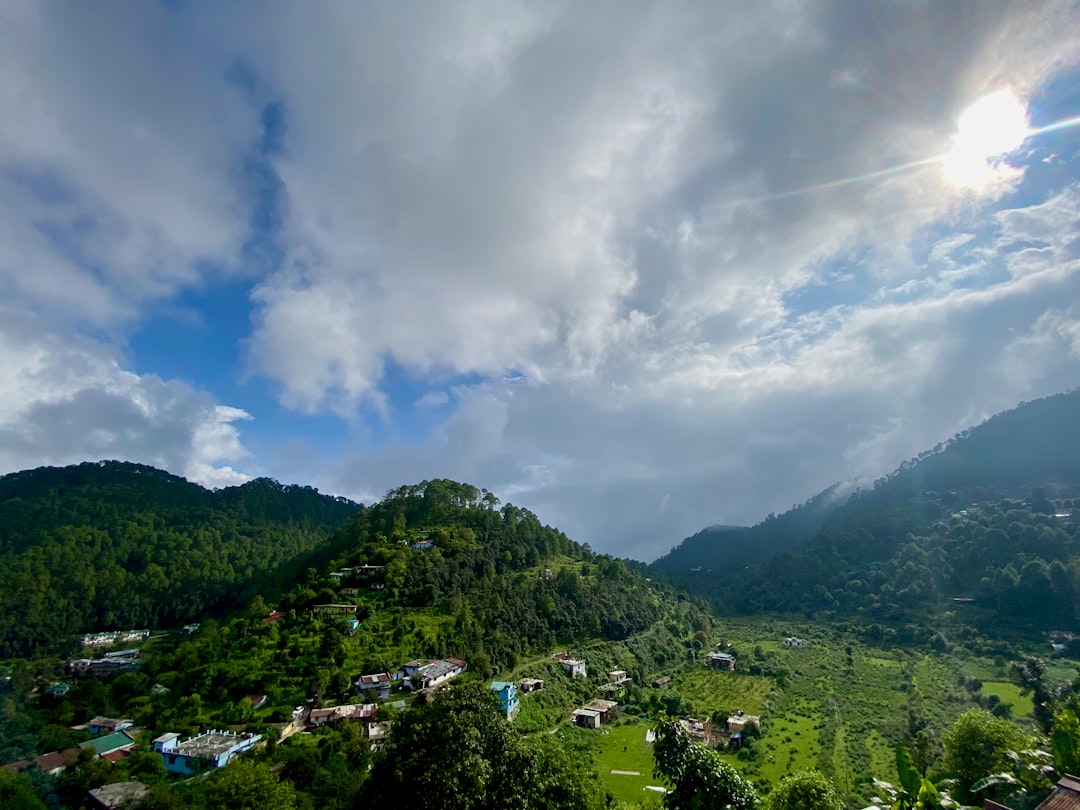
column 1036, row 444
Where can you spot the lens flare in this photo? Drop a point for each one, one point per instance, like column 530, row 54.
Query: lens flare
column 986, row 132
column 992, row 127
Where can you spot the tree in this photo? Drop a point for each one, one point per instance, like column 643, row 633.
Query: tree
column 248, row 785
column 977, row 745
column 1065, row 741
column 457, row 753
column 805, row 790
column 1030, row 676
column 17, row 792
column 701, row 780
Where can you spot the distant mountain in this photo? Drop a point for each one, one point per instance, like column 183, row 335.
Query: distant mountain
column 1035, row 445
column 113, row 544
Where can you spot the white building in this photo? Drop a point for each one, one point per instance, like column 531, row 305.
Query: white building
column 212, row 749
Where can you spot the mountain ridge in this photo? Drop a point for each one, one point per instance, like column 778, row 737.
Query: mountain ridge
column 1033, row 445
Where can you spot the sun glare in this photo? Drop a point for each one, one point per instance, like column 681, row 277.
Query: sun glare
column 990, row 128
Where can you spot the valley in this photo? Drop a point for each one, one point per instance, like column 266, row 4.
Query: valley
column 358, row 658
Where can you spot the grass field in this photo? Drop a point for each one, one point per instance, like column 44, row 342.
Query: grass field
column 1009, row 693
column 622, row 747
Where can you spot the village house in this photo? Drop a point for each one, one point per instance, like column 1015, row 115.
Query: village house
column 54, row 762
column 273, row 616
column 574, row 667
column 362, row 712
column 662, row 681
column 114, row 637
column 528, row 685
column 256, row 701
column 189, row 629
column 426, row 674
column 102, row 725
column 1066, row 796
column 595, row 713
column 699, row 730
column 618, row 677
column 379, row 683
column 795, row 643
column 508, row 698
column 721, row 660
column 58, row 690
column 586, row 718
column 118, row 741
column 423, row 545
column 334, row 610
column 739, row 724
column 212, row 749
column 111, row 664
column 119, row 794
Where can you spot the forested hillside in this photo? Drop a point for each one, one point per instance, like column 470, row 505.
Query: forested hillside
column 985, row 523
column 495, row 583
column 1036, row 445
column 113, row 545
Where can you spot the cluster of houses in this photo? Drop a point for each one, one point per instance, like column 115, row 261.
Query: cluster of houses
column 416, row 675
column 111, row 664
column 794, row 643
column 368, row 575
column 734, row 732
column 112, row 739
column 114, row 637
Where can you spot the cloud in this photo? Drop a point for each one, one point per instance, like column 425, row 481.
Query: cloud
column 118, row 171
column 604, row 245
column 432, row 400
column 67, row 401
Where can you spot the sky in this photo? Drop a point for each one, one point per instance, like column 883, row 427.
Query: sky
column 640, row 267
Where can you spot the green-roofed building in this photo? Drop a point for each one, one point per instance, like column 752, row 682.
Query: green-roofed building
column 110, row 742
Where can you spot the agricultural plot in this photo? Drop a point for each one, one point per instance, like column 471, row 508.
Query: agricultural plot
column 711, row 691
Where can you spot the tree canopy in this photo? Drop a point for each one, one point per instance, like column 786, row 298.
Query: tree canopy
column 700, row 779
column 804, row 790
column 977, row 745
column 458, row 753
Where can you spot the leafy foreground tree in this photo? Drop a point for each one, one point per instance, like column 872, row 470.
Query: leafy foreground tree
column 979, row 744
column 457, row 753
column 702, row 781
column 804, row 790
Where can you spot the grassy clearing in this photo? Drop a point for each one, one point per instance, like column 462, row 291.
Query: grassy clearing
column 622, row 747
column 1009, row 693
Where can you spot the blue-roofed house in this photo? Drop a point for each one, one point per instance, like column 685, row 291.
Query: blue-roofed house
column 508, row 698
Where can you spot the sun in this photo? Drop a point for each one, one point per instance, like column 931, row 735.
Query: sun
column 990, row 128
